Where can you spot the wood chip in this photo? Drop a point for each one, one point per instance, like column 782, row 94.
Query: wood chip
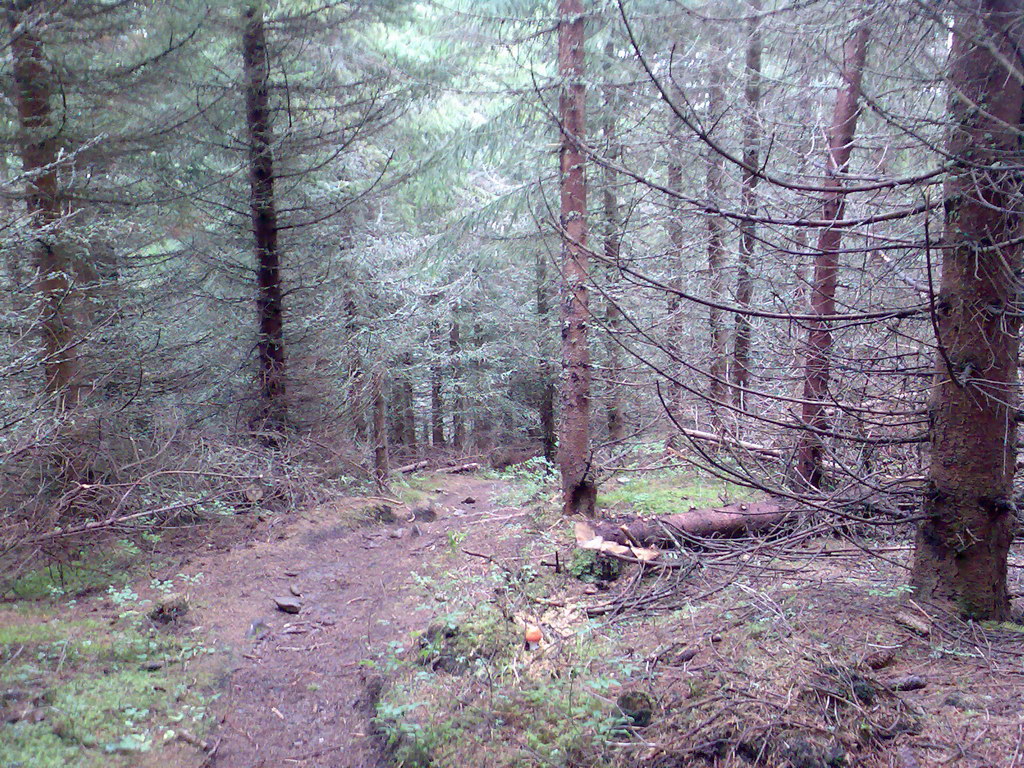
column 914, row 623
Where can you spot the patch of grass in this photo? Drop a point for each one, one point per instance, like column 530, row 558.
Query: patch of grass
column 469, row 692
column 86, row 694
column 668, row 494
column 414, row 489
column 528, row 482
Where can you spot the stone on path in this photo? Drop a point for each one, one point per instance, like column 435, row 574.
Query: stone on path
column 288, row 604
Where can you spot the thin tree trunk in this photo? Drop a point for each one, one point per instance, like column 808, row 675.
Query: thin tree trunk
column 961, row 550
column 718, row 368
column 436, row 382
column 748, row 203
column 269, row 295
column 458, row 400
column 407, row 403
column 612, row 250
column 39, row 144
column 355, row 396
column 826, row 263
column 548, row 390
column 579, row 491
column 674, row 227
column 380, row 431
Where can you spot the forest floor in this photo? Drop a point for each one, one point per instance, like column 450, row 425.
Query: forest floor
column 408, row 650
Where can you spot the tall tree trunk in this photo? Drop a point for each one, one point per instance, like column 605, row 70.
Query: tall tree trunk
column 458, row 400
column 39, row 144
column 436, row 382
column 748, row 202
column 579, row 490
column 548, row 390
column 674, row 228
column 269, row 295
column 718, row 368
column 355, row 396
column 380, row 429
column 962, row 544
column 826, row 263
column 612, row 251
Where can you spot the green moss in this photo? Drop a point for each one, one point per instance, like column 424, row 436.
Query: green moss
column 667, row 494
column 36, row 745
column 92, row 695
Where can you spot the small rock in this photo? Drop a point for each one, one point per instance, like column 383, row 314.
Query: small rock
column 291, row 573
column 414, row 532
column 716, row 638
column 469, row 500
column 295, row 590
column 397, row 533
column 257, row 628
column 152, row 666
column 590, row 589
column 288, row 604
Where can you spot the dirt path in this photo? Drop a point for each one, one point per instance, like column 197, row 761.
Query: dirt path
column 300, row 692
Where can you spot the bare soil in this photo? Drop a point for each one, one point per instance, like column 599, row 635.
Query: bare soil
column 301, row 692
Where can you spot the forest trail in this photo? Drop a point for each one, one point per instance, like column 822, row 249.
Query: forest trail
column 301, row 691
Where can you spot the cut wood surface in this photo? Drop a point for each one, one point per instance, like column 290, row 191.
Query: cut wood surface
column 726, row 521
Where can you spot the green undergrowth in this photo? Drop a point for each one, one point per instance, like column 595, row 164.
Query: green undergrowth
column 77, row 574
column 466, row 690
column 415, row 488
column 98, row 692
column 528, row 482
column 668, row 493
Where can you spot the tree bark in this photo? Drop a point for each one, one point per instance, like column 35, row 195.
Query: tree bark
column 748, row 203
column 960, row 558
column 612, row 252
column 548, row 389
column 826, row 264
column 718, row 369
column 728, row 521
column 458, row 400
column 674, row 227
column 263, row 213
column 579, row 490
column 38, row 138
column 380, row 429
column 436, row 384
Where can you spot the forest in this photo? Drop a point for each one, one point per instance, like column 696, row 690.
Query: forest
column 564, row 383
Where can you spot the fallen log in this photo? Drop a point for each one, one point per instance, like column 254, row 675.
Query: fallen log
column 721, row 522
column 406, row 469
column 470, row 467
